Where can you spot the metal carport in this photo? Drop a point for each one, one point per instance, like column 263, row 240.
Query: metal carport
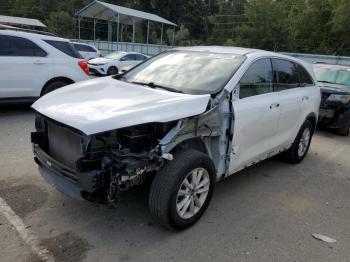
column 98, row 10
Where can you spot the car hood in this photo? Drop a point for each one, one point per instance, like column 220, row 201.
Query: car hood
column 334, row 89
column 105, row 104
column 99, row 60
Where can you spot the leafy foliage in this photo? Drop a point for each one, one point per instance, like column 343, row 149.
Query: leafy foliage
column 313, row 26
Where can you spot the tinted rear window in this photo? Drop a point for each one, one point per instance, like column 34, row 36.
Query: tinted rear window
column 304, row 76
column 65, row 47
column 286, row 74
column 84, row 48
column 129, row 57
column 18, row 46
column 140, row 57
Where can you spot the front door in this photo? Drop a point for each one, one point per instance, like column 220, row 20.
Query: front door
column 257, row 112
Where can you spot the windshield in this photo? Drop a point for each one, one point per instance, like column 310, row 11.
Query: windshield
column 337, row 76
column 114, row 55
column 187, row 72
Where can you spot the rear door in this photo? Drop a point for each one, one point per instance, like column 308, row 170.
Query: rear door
column 293, row 98
column 311, row 94
column 256, row 115
column 24, row 67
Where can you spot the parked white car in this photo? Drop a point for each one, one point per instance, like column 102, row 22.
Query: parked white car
column 87, row 51
column 32, row 65
column 113, row 62
column 185, row 118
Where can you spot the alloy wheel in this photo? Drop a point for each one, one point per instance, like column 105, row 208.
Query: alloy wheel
column 304, row 142
column 192, row 193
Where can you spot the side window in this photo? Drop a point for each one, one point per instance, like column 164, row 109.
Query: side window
column 304, row 76
column 5, row 46
column 257, row 80
column 65, row 47
column 140, row 57
column 84, row 48
column 129, row 57
column 286, row 75
column 18, row 46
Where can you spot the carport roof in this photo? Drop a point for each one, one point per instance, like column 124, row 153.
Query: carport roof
column 20, row 21
column 106, row 11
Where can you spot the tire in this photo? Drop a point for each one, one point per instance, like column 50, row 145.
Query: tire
column 167, row 188
column 112, row 70
column 345, row 131
column 53, row 86
column 294, row 154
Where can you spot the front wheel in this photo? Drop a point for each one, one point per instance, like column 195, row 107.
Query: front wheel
column 181, row 191
column 112, row 71
column 301, row 144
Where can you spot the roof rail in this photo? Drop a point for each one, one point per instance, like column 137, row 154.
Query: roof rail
column 7, row 27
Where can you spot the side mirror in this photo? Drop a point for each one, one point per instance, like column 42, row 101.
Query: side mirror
column 122, row 59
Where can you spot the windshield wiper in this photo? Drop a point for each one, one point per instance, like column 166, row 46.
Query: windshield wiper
column 153, row 85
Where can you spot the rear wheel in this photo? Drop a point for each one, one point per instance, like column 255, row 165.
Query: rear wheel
column 112, row 70
column 301, row 144
column 181, row 191
column 53, row 86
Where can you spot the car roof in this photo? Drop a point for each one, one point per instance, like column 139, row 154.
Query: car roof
column 33, row 35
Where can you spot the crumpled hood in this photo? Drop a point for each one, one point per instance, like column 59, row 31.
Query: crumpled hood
column 105, row 104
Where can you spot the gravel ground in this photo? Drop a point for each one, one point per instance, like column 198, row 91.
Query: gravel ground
column 265, row 213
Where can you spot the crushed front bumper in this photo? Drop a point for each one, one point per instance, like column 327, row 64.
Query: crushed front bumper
column 73, row 183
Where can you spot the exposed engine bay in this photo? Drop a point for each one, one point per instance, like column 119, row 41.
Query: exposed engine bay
column 102, row 165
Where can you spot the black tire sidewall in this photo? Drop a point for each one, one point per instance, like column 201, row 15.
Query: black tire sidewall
column 167, row 182
column 112, row 68
column 175, row 220
column 53, row 86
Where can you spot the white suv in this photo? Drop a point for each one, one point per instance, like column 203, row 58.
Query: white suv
column 32, row 65
column 184, row 118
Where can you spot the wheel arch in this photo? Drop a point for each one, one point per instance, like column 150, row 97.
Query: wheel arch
column 313, row 119
column 56, row 79
column 195, row 143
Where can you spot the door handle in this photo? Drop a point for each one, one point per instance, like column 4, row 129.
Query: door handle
column 305, row 98
column 39, row 63
column 274, row 105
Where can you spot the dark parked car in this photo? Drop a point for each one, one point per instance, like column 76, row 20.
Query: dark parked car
column 334, row 81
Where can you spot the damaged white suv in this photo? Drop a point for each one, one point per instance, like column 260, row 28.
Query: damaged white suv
column 184, row 118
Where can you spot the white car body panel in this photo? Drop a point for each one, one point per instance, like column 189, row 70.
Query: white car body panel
column 24, row 76
column 102, row 64
column 261, row 129
column 105, row 104
column 251, row 143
